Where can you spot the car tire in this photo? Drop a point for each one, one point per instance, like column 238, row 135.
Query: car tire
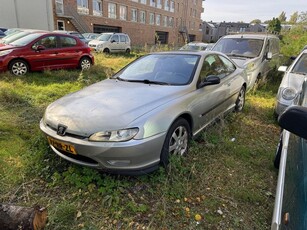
column 106, row 50
column 127, row 51
column 19, row 67
column 240, row 102
column 85, row 63
column 176, row 141
column 278, row 152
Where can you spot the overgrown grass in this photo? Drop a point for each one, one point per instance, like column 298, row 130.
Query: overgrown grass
column 227, row 178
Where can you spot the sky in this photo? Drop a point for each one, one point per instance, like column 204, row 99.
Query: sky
column 248, row 10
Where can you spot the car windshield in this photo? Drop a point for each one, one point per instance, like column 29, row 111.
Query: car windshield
column 25, row 40
column 163, row 69
column 301, row 65
column 239, row 47
column 104, row 37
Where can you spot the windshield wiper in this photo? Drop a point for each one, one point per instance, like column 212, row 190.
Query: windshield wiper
column 237, row 55
column 146, row 81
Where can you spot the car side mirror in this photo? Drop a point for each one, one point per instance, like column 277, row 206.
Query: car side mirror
column 40, row 47
column 294, row 119
column 269, row 55
column 282, row 68
column 210, row 80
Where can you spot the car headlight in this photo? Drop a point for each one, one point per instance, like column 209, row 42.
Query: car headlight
column 288, row 93
column 5, row 52
column 114, row 136
column 99, row 46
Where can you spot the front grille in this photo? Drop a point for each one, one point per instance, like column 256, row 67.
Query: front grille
column 69, row 134
column 78, row 157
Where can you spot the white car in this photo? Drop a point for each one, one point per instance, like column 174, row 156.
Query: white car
column 111, row 43
column 291, row 84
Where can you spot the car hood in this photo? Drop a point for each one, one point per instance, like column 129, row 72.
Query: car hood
column 96, row 42
column 6, row 47
column 108, row 105
column 243, row 62
column 293, row 80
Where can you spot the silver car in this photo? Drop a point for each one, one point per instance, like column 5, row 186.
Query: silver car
column 291, row 84
column 132, row 122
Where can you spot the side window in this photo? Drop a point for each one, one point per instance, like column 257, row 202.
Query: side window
column 123, row 38
column 49, row 42
column 229, row 67
column 115, row 38
column 212, row 65
column 67, row 41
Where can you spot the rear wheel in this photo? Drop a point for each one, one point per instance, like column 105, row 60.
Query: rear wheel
column 106, row 50
column 176, row 141
column 19, row 67
column 127, row 51
column 240, row 100
column 85, row 63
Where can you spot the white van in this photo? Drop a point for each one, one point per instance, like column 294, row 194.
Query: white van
column 258, row 53
column 111, row 43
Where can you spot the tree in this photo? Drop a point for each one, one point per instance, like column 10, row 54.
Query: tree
column 303, row 17
column 256, row 21
column 282, row 17
column 274, row 25
column 293, row 18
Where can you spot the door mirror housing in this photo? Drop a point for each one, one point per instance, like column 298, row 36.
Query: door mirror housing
column 210, row 80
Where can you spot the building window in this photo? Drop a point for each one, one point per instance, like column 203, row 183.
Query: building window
column 159, row 4
column 112, row 10
column 59, row 8
column 82, row 6
column 166, row 5
column 142, row 17
column 151, row 18
column 97, row 8
column 134, row 15
column 171, row 22
column 123, row 12
column 158, row 19
column 153, row 3
column 143, row 1
column 172, row 6
column 60, row 25
column 165, row 21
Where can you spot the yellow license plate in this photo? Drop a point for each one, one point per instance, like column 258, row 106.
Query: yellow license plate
column 62, row 145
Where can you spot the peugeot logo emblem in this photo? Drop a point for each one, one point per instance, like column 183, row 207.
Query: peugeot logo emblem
column 61, row 130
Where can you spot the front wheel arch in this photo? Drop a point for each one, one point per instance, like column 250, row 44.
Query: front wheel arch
column 21, row 60
column 176, row 141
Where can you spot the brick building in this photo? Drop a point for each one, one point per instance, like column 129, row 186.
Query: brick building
column 146, row 21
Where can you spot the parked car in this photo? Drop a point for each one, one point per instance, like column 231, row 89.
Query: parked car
column 195, row 46
column 90, row 36
column 3, row 29
column 290, row 209
column 2, row 34
column 73, row 33
column 291, row 84
column 132, row 122
column 45, row 50
column 111, row 43
column 258, row 53
column 16, row 35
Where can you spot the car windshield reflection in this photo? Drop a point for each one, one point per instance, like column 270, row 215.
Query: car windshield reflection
column 162, row 69
column 301, row 65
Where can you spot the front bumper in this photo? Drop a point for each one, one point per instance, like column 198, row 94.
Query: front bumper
column 131, row 157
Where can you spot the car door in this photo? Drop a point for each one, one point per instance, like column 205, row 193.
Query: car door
column 70, row 51
column 211, row 101
column 44, row 53
column 115, row 44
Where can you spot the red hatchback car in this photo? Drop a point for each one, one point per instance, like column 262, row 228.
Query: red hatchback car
column 45, row 50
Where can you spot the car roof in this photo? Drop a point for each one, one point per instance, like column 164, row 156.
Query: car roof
column 251, row 35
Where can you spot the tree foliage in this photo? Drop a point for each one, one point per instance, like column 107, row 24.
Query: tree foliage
column 274, row 25
column 256, row 21
column 282, row 17
column 293, row 18
column 303, row 17
column 293, row 41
